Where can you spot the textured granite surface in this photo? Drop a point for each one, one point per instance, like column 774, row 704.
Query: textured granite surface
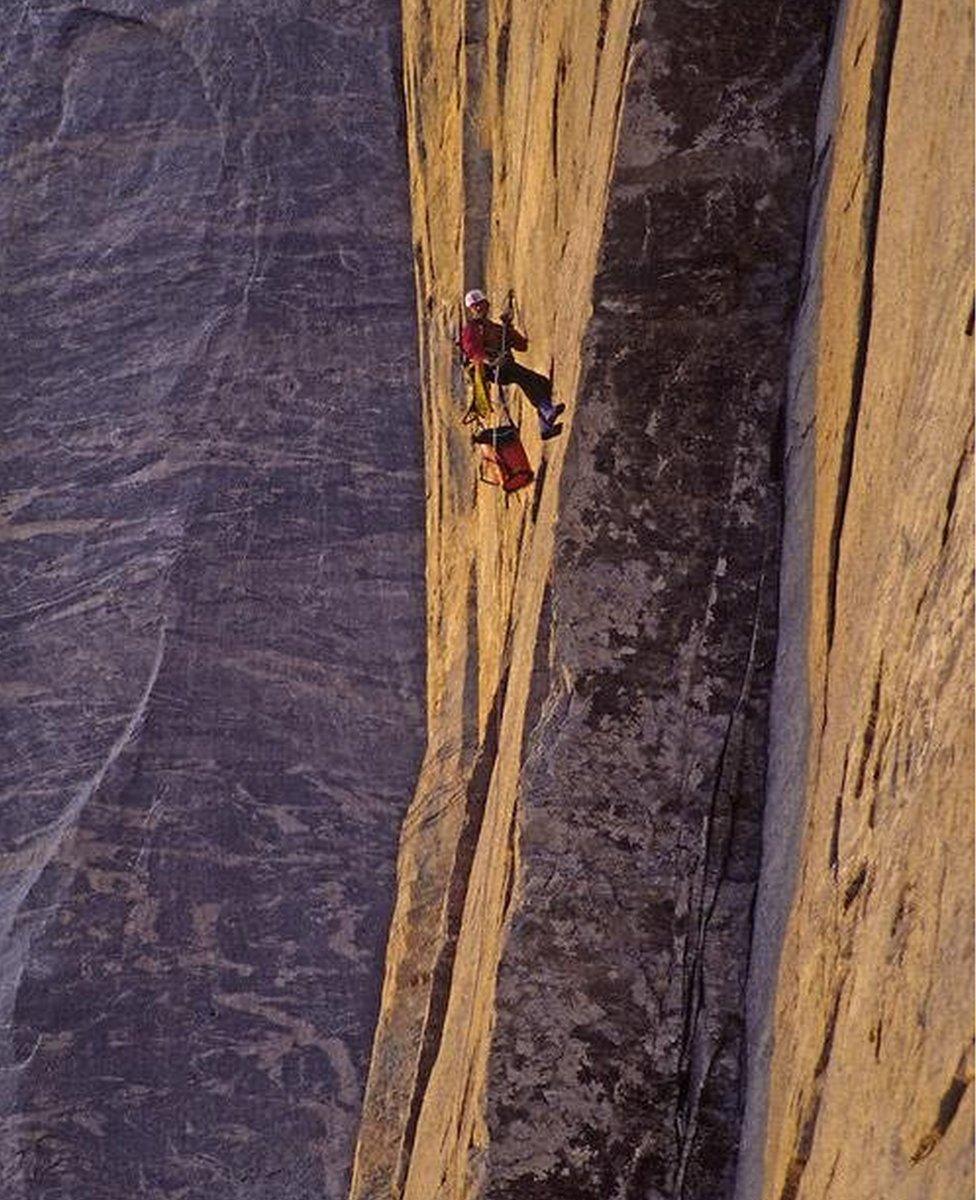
column 861, row 998
column 617, row 1057
column 212, row 625
column 588, row 837
column 423, row 1131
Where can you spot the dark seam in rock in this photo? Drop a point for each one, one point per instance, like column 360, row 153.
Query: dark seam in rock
column 628, row 61
column 777, row 449
column 832, row 856
column 540, row 483
column 876, row 775
column 853, row 889
column 870, row 726
column 476, row 798
column 692, row 984
column 954, row 486
column 501, row 52
column 601, row 41
column 399, row 90
column 539, row 679
column 694, row 1001
column 873, row 159
column 692, row 1126
column 948, row 1107
column 554, row 136
column 510, row 863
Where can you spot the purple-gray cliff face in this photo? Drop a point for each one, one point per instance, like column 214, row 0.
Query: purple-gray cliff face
column 212, row 621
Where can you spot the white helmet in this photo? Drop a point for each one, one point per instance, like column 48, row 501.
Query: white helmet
column 475, row 296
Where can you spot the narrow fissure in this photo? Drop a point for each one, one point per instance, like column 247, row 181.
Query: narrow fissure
column 873, row 157
column 476, row 797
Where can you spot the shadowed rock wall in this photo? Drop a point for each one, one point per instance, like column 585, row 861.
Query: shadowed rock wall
column 212, row 615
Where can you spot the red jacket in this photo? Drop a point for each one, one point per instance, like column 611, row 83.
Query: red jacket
column 481, row 340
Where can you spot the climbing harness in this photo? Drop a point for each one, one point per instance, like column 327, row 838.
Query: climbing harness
column 479, row 402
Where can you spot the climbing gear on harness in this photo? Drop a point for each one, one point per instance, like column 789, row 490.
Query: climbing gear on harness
column 479, row 407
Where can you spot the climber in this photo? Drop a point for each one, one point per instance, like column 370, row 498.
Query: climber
column 488, row 342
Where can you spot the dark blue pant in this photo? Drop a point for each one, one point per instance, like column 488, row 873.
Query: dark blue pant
column 536, row 387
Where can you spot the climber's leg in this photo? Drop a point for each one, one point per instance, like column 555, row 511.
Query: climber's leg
column 536, row 387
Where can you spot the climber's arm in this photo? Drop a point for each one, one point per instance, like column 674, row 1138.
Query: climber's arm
column 514, row 339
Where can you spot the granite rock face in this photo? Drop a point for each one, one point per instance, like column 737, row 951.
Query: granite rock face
column 745, row 570
column 620, row 995
column 212, row 620
column 861, row 1004
column 563, row 1013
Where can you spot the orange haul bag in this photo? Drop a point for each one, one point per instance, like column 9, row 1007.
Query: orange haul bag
column 503, row 459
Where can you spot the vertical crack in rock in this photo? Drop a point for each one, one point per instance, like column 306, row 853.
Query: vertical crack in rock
column 719, row 831
column 477, row 152
column 870, row 729
column 959, row 1084
column 886, row 42
column 476, row 796
column 951, row 498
